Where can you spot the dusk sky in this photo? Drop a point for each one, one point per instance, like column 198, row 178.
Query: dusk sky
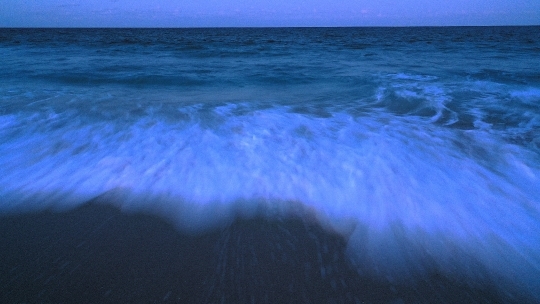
column 191, row 13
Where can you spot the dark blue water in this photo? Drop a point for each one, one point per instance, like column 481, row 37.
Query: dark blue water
column 421, row 146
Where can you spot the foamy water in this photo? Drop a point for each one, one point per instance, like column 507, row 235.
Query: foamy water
column 422, row 170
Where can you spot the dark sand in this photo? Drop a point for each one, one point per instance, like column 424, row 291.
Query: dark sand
column 96, row 254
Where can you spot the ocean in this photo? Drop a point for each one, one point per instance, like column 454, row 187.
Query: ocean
column 302, row 165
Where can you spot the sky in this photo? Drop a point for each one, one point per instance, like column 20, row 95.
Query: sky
column 216, row 13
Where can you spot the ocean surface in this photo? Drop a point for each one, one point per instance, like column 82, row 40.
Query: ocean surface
column 419, row 147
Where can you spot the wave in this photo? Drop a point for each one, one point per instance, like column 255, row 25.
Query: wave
column 411, row 197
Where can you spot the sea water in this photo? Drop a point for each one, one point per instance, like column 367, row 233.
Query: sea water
column 420, row 146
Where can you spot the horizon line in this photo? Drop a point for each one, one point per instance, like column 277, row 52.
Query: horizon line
column 258, row 27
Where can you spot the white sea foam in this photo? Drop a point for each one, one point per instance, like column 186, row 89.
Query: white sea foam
column 423, row 153
column 410, row 195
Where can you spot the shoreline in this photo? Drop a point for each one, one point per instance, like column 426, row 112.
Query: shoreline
column 95, row 253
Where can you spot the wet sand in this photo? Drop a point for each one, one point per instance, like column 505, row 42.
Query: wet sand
column 97, row 254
